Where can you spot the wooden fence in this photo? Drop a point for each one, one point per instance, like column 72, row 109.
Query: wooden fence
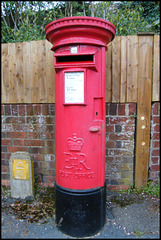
column 27, row 71
column 132, row 75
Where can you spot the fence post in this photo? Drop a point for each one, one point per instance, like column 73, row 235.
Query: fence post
column 144, row 99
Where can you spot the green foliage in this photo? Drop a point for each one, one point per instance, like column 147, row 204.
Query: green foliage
column 138, row 233
column 26, row 20
column 151, row 189
column 129, row 18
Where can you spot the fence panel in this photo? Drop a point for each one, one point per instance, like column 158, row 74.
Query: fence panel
column 116, row 69
column 132, row 68
column 27, row 71
column 5, row 74
column 123, row 69
column 109, row 73
column 156, row 69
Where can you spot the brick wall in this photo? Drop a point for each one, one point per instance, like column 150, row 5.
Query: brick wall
column 120, row 143
column 154, row 160
column 31, row 128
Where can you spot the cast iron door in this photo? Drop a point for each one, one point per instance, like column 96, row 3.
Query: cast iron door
column 80, row 119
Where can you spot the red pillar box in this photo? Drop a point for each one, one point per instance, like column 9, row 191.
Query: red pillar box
column 79, row 44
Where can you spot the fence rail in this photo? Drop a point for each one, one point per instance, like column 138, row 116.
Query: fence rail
column 27, row 70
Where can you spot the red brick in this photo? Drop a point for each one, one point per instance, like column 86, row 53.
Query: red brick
column 121, row 109
column 29, row 109
column 33, row 135
column 128, row 128
column 16, row 135
column 155, row 168
column 17, row 149
column 37, row 109
column 113, row 109
column 6, row 142
column 6, row 158
column 14, row 110
column 3, row 134
column 46, row 150
column 132, row 108
column 49, row 143
column 45, row 109
column 155, row 108
column 4, row 149
column 5, row 169
column 107, row 120
column 34, row 150
column 21, row 110
column 50, row 120
column 121, row 120
column 106, row 108
column 156, row 128
column 110, row 144
column 109, row 159
column 155, row 136
column 33, row 143
column 155, row 144
column 2, row 110
column 156, row 119
column 154, row 160
column 123, row 187
column 5, row 182
column 110, row 128
column 155, row 152
column 2, row 155
column 18, row 142
column 112, row 187
column 118, row 144
column 52, row 109
column 7, row 110
column 50, row 128
column 119, row 136
column 38, row 157
column 5, row 176
column 11, row 120
column 5, row 162
column 21, row 120
column 118, row 128
column 17, row 127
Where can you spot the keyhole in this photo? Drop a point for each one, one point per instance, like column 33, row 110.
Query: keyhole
column 96, row 113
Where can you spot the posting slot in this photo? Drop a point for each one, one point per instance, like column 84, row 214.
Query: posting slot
column 75, row 58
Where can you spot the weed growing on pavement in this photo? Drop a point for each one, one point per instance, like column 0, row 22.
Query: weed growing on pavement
column 151, row 189
column 138, row 233
column 5, row 191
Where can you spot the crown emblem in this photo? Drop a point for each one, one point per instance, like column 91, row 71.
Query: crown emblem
column 75, row 144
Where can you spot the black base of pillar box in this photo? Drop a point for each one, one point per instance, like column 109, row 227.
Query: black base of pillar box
column 80, row 213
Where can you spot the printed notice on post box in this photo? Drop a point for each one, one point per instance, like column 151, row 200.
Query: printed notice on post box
column 74, row 87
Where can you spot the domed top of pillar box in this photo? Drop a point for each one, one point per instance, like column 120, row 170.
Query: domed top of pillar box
column 80, row 30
